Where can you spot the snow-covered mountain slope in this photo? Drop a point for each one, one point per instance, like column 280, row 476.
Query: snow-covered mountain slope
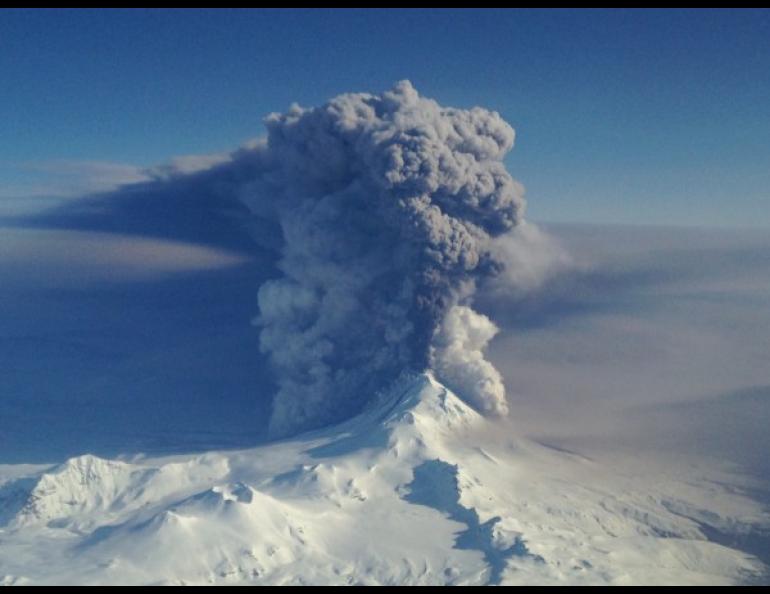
column 419, row 489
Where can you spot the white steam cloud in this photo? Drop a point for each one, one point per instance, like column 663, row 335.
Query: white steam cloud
column 457, row 356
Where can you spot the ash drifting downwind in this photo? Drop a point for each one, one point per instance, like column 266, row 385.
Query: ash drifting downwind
column 392, row 210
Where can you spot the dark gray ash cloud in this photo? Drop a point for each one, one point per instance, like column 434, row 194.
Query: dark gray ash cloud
column 388, row 206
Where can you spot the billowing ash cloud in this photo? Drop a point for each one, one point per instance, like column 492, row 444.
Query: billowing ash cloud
column 388, row 206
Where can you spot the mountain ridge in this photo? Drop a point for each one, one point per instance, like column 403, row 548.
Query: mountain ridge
column 417, row 489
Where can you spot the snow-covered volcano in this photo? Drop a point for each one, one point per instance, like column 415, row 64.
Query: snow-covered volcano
column 419, row 489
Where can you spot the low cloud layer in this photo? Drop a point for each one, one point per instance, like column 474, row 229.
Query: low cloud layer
column 51, row 258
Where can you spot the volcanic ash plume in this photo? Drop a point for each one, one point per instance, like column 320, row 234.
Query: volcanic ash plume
column 388, row 205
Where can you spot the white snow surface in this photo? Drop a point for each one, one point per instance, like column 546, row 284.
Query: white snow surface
column 419, row 489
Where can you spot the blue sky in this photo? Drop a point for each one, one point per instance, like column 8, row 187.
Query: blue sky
column 622, row 116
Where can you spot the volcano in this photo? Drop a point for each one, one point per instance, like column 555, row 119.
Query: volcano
column 417, row 489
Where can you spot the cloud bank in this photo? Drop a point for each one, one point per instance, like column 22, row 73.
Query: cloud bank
column 55, row 258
